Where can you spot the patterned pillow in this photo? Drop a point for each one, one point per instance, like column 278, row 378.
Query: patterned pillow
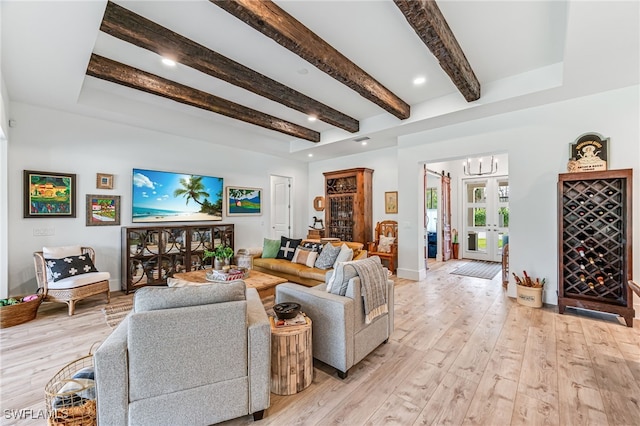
column 313, row 246
column 70, row 266
column 305, row 256
column 270, row 248
column 384, row 246
column 328, row 256
column 287, row 248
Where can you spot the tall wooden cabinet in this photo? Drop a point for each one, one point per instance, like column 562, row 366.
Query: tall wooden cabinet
column 595, row 231
column 348, row 198
column 151, row 254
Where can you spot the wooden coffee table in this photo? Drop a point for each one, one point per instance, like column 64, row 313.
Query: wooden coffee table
column 264, row 283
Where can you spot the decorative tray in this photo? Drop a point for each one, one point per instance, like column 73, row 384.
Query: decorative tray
column 233, row 274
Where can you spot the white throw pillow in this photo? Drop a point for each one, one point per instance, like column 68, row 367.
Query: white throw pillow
column 345, row 255
column 60, row 252
column 384, row 246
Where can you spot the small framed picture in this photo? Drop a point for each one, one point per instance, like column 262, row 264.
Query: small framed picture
column 104, row 181
column 103, row 210
column 244, row 201
column 49, row 194
column 391, row 202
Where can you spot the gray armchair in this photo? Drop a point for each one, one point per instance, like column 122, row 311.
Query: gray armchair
column 193, row 355
column 341, row 338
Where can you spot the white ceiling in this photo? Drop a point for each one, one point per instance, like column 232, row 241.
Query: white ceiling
column 524, row 53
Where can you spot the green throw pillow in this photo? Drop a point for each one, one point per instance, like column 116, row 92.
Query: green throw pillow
column 270, row 248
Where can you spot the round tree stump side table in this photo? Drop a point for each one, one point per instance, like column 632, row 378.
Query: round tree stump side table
column 291, row 358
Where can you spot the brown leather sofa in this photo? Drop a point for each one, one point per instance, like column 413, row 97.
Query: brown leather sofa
column 301, row 274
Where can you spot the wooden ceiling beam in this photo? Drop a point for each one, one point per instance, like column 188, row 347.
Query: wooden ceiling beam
column 125, row 75
column 266, row 17
column 135, row 29
column 428, row 22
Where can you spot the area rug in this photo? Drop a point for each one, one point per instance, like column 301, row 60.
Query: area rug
column 115, row 313
column 479, row 269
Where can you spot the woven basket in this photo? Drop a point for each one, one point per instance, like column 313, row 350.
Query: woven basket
column 22, row 312
column 75, row 407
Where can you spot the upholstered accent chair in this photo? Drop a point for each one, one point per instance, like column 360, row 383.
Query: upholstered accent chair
column 76, row 286
column 385, row 245
column 193, row 355
column 341, row 337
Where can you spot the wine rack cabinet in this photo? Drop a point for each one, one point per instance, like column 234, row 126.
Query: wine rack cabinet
column 348, row 214
column 151, row 254
column 595, row 262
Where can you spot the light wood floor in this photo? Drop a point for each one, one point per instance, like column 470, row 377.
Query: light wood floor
column 462, row 353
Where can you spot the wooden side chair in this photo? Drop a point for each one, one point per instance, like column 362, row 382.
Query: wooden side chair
column 385, row 245
column 76, row 282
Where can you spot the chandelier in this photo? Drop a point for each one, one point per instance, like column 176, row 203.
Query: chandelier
column 467, row 167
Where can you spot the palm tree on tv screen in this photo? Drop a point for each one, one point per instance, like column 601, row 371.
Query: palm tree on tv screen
column 192, row 189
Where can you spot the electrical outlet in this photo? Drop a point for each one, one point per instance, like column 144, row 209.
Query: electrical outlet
column 44, row 232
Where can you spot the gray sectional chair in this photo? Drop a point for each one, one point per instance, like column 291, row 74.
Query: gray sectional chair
column 341, row 338
column 186, row 355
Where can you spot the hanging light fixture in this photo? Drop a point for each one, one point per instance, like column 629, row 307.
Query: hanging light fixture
column 467, row 167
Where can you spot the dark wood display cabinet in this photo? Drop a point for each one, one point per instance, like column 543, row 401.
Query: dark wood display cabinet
column 348, row 212
column 151, row 254
column 595, row 262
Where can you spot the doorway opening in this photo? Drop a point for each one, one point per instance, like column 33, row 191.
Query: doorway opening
column 466, row 214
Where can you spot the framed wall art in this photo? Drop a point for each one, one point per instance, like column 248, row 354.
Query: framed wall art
column 103, row 210
column 244, row 201
column 391, row 202
column 49, row 194
column 104, row 181
column 589, row 153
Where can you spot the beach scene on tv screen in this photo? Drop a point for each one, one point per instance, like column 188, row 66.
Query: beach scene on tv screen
column 175, row 197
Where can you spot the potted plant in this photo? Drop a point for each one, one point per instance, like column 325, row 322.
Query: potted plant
column 207, row 254
column 223, row 254
column 455, row 247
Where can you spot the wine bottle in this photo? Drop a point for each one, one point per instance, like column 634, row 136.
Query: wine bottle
column 600, row 263
column 582, row 277
column 582, row 264
column 581, row 251
column 591, row 286
column 581, row 200
column 600, row 251
column 582, row 237
column 610, row 219
column 608, row 271
column 589, row 194
column 600, row 278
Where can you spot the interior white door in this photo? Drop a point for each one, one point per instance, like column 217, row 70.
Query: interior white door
column 280, row 207
column 486, row 217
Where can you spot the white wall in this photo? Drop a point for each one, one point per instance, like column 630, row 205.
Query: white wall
column 54, row 141
column 537, row 142
column 385, row 178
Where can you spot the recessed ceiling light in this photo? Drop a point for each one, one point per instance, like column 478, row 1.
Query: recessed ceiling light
column 419, row 80
column 169, row 62
column 310, row 155
column 312, row 118
column 303, row 71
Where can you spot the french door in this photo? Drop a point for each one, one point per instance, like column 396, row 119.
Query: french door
column 485, row 217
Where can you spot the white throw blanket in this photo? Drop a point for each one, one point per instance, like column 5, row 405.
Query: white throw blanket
column 373, row 282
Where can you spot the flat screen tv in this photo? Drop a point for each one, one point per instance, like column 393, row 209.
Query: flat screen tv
column 175, row 197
